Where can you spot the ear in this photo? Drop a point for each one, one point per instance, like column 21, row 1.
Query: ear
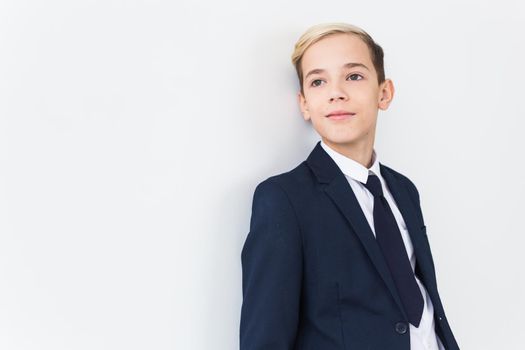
column 303, row 106
column 386, row 94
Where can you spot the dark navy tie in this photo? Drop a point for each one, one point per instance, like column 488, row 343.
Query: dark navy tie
column 391, row 243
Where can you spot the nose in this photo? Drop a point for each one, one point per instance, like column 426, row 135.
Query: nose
column 337, row 93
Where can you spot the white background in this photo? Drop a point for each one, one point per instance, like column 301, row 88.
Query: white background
column 133, row 133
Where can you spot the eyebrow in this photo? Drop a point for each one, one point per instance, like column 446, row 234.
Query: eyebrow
column 347, row 65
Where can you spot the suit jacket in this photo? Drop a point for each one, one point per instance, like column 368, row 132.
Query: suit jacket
column 313, row 276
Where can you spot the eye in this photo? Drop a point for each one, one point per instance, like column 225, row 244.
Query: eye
column 355, row 74
column 313, row 82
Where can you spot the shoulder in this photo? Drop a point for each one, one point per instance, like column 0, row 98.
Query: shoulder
column 290, row 183
column 274, row 209
column 405, row 180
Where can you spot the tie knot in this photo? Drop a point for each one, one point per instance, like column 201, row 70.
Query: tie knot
column 373, row 184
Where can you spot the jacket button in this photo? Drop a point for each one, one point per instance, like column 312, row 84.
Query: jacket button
column 401, row 327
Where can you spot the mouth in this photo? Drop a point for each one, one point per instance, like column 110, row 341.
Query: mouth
column 339, row 115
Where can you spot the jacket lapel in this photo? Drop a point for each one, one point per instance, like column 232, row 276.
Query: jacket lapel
column 336, row 186
column 408, row 210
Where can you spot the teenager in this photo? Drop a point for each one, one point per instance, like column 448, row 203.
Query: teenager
column 337, row 256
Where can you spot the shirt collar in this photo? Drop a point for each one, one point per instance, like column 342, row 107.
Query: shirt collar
column 351, row 167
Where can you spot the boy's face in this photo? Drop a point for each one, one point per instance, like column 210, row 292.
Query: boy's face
column 335, row 87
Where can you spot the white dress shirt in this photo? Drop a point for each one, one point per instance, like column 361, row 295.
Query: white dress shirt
column 422, row 337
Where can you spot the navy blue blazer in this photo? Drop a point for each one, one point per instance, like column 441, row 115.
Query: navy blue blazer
column 313, row 277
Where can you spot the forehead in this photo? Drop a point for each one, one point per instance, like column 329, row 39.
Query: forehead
column 334, row 51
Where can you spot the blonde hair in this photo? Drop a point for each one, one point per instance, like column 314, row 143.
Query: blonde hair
column 319, row 31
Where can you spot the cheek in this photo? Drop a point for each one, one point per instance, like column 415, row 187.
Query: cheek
column 315, row 103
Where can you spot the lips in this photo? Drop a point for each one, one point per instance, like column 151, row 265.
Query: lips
column 340, row 114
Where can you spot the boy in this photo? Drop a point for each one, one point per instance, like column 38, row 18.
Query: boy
column 337, row 256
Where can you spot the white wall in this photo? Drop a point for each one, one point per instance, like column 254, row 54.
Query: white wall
column 133, row 133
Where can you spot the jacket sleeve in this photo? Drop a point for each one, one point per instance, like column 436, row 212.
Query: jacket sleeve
column 271, row 260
